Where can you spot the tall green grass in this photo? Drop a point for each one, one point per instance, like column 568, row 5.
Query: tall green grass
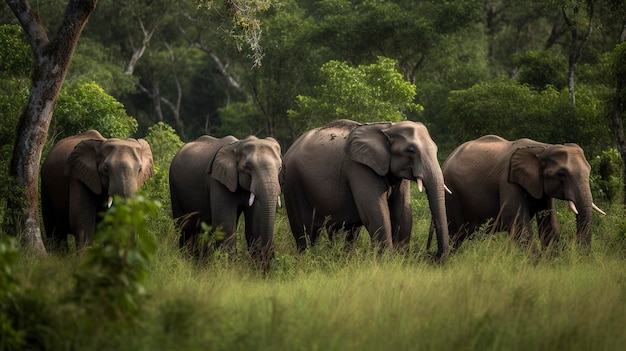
column 490, row 295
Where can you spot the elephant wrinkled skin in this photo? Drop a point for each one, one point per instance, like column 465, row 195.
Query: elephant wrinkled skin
column 345, row 175
column 80, row 174
column 509, row 182
column 216, row 180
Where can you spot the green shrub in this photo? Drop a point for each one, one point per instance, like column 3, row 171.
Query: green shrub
column 87, row 106
column 606, row 174
column 10, row 338
column 164, row 143
column 366, row 93
column 111, row 280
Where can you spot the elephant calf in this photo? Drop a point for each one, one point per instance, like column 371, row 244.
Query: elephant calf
column 509, row 182
column 216, row 180
column 79, row 178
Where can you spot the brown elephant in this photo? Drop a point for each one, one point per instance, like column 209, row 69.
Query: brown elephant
column 79, row 178
column 346, row 175
column 510, row 182
column 216, row 180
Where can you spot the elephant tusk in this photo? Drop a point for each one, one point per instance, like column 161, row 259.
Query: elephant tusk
column 597, row 208
column 279, row 204
column 447, row 189
column 251, row 199
column 572, row 207
column 420, row 185
column 110, row 202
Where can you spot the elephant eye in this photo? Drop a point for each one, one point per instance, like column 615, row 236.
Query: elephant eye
column 411, row 150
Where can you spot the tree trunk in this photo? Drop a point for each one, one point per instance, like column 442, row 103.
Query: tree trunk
column 618, row 112
column 576, row 49
column 52, row 60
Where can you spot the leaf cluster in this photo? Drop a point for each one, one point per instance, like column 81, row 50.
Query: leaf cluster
column 10, row 338
column 365, row 93
column 111, row 282
column 87, row 106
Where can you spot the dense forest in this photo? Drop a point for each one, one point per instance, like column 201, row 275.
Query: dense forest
column 547, row 70
column 502, row 67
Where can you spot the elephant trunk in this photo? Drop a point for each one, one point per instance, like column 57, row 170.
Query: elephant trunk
column 435, row 189
column 584, row 206
column 263, row 201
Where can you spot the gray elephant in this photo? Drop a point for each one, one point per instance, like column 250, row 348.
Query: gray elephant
column 79, row 178
column 509, row 182
column 346, row 175
column 216, row 180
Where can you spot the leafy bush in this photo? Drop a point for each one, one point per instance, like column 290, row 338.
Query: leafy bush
column 87, row 106
column 512, row 110
column 10, row 338
column 541, row 68
column 366, row 93
column 164, row 143
column 606, row 174
column 111, row 281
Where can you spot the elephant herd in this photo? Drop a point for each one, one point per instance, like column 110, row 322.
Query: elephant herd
column 341, row 176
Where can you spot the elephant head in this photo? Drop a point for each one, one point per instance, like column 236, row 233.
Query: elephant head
column 557, row 171
column 114, row 166
column 404, row 150
column 253, row 164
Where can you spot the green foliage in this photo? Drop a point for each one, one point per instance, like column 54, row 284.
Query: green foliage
column 239, row 119
column 512, row 110
column 111, row 282
column 618, row 65
column 366, row 93
column 15, row 68
column 93, row 62
column 541, row 68
column 606, row 175
column 10, row 338
column 87, row 106
column 164, row 143
column 16, row 58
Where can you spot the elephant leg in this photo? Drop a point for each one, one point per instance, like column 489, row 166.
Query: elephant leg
column 190, row 230
column 401, row 216
column 547, row 223
column 515, row 219
column 55, row 223
column 260, row 247
column 458, row 226
column 301, row 219
column 83, row 211
column 370, row 193
column 225, row 214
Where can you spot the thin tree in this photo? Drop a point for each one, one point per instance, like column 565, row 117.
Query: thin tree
column 578, row 41
column 51, row 59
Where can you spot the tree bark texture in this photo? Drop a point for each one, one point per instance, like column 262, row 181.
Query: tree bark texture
column 52, row 60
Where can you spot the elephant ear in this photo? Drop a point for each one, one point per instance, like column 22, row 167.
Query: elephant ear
column 368, row 144
column 147, row 169
column 83, row 164
column 224, row 166
column 525, row 170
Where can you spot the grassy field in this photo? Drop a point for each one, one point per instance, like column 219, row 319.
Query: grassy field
column 490, row 295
